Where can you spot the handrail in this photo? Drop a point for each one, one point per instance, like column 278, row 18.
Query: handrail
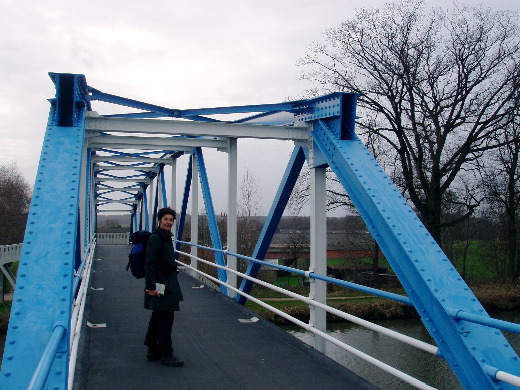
column 44, row 366
column 79, row 309
column 78, row 274
column 493, row 372
column 486, row 321
column 41, row 373
column 391, row 370
column 339, row 282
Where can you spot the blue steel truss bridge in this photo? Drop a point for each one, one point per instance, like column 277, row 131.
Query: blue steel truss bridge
column 90, row 163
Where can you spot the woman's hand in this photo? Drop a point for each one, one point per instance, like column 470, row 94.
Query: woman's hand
column 154, row 293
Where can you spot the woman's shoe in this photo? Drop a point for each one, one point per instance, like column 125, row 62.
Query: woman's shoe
column 172, row 361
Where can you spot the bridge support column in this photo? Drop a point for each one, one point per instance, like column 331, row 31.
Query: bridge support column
column 194, row 213
column 232, row 213
column 318, row 250
column 173, row 193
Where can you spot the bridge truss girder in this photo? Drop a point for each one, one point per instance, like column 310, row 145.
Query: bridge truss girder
column 66, row 197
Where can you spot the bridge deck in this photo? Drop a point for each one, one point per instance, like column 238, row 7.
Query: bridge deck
column 219, row 351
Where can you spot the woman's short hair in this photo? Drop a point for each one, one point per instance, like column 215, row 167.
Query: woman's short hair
column 165, row 211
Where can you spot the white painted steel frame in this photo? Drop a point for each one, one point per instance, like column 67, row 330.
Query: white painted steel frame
column 232, row 214
column 194, row 210
column 155, row 143
column 318, row 248
column 131, row 159
column 192, row 128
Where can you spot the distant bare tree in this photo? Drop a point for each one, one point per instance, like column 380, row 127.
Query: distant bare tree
column 250, row 198
column 249, row 208
column 300, row 196
column 501, row 181
column 435, row 85
column 15, row 199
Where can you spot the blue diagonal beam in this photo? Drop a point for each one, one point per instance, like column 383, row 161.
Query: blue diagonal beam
column 195, row 114
column 43, row 297
column 184, row 207
column 290, row 176
column 163, row 187
column 212, row 218
column 109, row 98
column 431, row 281
column 144, row 209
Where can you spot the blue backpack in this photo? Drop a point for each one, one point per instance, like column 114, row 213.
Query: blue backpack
column 137, row 256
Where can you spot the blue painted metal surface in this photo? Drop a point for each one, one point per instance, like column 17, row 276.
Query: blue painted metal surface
column 39, row 379
column 290, row 176
column 43, row 297
column 156, row 204
column 184, row 207
column 163, row 187
column 212, row 218
column 144, row 210
column 430, row 280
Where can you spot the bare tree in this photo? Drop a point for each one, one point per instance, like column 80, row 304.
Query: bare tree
column 15, row 199
column 250, row 201
column 501, row 181
column 435, row 85
column 249, row 208
column 300, row 196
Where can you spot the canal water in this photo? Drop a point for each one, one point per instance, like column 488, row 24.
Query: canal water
column 421, row 365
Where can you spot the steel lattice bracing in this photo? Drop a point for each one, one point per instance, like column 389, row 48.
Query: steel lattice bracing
column 90, row 162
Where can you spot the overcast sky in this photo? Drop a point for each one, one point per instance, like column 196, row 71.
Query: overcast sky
column 179, row 54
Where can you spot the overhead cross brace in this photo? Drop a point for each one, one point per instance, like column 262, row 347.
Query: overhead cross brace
column 198, row 129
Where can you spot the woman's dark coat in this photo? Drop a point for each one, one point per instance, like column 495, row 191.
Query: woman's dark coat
column 161, row 268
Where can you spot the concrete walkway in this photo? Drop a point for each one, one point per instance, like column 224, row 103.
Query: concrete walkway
column 219, row 351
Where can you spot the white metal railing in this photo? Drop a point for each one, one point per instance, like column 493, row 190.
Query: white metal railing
column 493, row 372
column 113, row 238
column 9, row 254
column 81, row 281
column 78, row 308
column 399, row 374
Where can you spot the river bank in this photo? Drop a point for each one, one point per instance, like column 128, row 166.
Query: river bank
column 494, row 298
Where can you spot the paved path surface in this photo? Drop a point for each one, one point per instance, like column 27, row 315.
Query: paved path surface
column 219, row 351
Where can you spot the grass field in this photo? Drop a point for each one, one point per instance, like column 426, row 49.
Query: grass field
column 484, row 261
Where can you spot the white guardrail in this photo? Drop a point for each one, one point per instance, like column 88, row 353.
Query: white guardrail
column 113, row 238
column 432, row 349
column 9, row 254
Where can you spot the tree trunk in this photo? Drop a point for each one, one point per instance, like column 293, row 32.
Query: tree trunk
column 375, row 264
column 432, row 215
column 512, row 248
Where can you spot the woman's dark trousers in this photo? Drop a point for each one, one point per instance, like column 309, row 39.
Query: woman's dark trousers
column 159, row 335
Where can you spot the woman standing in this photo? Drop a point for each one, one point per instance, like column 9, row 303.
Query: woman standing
column 161, row 269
